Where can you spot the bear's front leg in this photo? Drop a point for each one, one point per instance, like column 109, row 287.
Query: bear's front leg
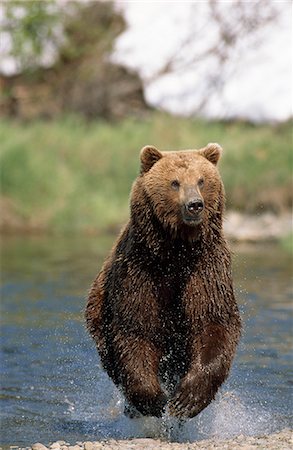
column 138, row 360
column 212, row 354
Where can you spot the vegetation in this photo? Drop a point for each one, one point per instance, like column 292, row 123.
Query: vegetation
column 62, row 59
column 70, row 175
column 37, row 28
column 287, row 243
column 31, row 27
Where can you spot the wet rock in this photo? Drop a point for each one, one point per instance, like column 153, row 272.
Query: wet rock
column 38, row 446
column 55, row 446
column 111, row 444
column 144, row 443
column 97, row 445
column 88, row 445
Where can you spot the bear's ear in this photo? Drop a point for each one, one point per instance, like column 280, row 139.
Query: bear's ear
column 212, row 152
column 149, row 155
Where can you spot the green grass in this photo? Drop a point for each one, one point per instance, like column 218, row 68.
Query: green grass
column 69, row 175
column 287, row 243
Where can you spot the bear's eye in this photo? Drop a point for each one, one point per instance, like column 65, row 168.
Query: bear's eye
column 175, row 185
column 200, row 182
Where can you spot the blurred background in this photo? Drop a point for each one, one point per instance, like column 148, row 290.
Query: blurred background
column 84, row 85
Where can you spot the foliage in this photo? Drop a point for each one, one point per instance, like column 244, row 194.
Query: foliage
column 90, row 28
column 47, row 29
column 32, row 29
column 70, row 175
column 75, row 40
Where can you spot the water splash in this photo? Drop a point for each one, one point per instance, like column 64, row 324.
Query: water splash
column 231, row 414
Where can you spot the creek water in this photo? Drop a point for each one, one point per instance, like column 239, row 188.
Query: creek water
column 52, row 383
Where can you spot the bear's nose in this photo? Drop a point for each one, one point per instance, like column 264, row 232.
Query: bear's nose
column 195, row 206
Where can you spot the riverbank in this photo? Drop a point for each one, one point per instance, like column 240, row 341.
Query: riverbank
column 238, row 227
column 280, row 440
column 257, row 228
column 73, row 176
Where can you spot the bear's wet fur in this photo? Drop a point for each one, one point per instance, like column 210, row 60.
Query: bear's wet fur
column 162, row 309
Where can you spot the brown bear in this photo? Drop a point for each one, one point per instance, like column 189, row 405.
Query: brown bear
column 162, row 309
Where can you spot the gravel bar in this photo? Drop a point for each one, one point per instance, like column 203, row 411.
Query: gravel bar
column 280, row 440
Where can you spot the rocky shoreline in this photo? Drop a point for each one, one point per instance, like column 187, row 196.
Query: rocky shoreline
column 276, row 441
column 257, row 228
column 238, row 227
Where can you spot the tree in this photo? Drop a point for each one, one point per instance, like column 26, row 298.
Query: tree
column 32, row 30
column 40, row 33
column 74, row 40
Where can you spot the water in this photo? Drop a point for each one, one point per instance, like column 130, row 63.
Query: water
column 53, row 386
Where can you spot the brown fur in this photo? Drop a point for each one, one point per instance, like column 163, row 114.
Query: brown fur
column 162, row 310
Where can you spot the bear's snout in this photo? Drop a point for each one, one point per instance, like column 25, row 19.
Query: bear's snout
column 192, row 211
column 195, row 206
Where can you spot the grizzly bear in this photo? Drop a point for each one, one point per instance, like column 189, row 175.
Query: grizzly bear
column 162, row 309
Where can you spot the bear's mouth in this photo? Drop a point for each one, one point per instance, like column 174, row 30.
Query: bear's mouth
column 192, row 221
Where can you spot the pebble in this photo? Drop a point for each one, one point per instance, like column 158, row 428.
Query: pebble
column 88, row 446
column 97, row 445
column 277, row 441
column 37, row 446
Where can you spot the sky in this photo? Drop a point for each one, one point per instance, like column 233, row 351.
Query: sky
column 258, row 77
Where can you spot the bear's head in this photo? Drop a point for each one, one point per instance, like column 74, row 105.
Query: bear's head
column 183, row 188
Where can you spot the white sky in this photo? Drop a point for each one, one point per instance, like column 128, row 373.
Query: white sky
column 259, row 83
